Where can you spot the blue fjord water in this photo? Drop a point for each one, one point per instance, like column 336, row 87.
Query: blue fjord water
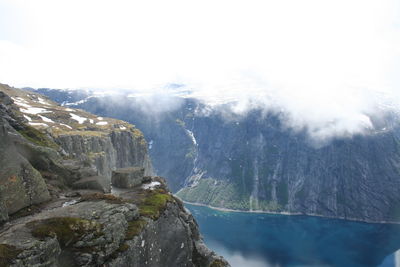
column 258, row 240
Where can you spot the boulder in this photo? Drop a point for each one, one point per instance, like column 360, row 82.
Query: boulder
column 5, row 99
column 127, row 177
column 21, row 185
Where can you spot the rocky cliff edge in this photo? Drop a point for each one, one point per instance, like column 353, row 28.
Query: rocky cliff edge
column 56, row 166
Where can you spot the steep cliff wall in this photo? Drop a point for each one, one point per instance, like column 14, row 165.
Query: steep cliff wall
column 260, row 165
column 255, row 163
column 107, row 151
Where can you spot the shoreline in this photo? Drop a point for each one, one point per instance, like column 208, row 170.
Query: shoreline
column 287, row 213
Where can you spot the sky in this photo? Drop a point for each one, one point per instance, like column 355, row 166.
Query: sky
column 327, row 63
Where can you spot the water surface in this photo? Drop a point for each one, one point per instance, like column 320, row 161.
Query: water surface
column 258, row 240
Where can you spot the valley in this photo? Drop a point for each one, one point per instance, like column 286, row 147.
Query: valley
column 256, row 163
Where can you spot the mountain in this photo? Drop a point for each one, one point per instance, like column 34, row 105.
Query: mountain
column 57, row 164
column 256, row 163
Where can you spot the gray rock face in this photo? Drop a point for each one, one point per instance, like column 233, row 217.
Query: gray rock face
column 21, row 185
column 107, row 152
column 112, row 217
column 91, row 149
column 33, row 252
column 130, row 151
column 170, row 240
column 32, row 170
column 127, row 177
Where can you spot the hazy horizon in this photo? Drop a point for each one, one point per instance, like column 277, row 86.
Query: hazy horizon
column 329, row 65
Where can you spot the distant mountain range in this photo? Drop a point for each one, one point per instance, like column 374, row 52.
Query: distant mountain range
column 254, row 162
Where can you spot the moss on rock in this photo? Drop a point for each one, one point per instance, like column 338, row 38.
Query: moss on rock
column 37, row 137
column 218, row 263
column 67, row 230
column 124, row 247
column 7, row 254
column 134, row 228
column 154, row 203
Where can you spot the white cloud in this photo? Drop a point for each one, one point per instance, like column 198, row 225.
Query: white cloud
column 323, row 61
column 238, row 259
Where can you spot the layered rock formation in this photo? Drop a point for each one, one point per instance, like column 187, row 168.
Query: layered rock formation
column 55, row 164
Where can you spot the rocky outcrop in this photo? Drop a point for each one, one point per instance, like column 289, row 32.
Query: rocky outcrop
column 32, row 166
column 107, row 151
column 151, row 229
column 21, row 185
column 90, row 145
column 49, row 213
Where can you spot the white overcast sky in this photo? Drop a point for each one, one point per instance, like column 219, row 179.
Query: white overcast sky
column 332, row 55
